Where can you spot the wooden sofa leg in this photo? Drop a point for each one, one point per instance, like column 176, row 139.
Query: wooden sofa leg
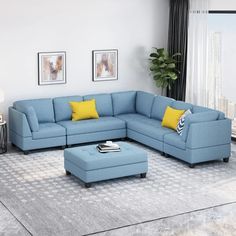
column 26, row 152
column 68, row 172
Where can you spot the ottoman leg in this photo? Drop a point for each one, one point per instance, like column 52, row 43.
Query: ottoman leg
column 68, row 172
column 87, row 185
column 143, row 175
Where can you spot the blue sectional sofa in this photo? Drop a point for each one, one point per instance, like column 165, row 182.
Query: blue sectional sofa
column 42, row 123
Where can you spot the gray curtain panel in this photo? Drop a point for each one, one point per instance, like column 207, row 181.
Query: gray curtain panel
column 177, row 42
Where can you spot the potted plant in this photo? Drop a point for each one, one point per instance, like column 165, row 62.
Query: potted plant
column 163, row 68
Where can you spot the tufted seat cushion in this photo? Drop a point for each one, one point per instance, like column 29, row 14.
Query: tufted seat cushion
column 88, row 158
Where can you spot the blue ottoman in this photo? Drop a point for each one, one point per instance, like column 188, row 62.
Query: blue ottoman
column 89, row 165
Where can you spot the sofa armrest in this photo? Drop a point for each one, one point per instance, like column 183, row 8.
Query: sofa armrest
column 18, row 123
column 211, row 133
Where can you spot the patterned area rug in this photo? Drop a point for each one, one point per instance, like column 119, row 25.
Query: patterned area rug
column 47, row 202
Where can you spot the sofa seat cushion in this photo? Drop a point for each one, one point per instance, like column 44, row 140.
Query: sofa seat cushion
column 146, row 126
column 93, row 125
column 175, row 140
column 49, row 130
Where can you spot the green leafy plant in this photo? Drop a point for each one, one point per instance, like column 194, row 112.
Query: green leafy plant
column 163, row 68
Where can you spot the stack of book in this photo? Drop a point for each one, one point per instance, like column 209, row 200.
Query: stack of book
column 108, row 147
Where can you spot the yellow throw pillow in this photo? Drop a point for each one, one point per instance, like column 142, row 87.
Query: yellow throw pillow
column 84, row 110
column 171, row 117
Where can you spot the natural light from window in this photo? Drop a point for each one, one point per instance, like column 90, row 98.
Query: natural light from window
column 222, row 65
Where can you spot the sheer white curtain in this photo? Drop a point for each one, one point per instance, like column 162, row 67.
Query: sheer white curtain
column 197, row 59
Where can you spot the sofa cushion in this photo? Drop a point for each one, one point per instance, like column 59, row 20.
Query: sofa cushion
column 198, row 109
column 62, row 107
column 103, row 103
column 196, row 118
column 43, row 108
column 174, row 140
column 159, row 106
column 146, row 126
column 124, row 102
column 182, row 105
column 49, row 130
column 93, row 125
column 31, row 117
column 84, row 110
column 144, row 103
column 171, row 118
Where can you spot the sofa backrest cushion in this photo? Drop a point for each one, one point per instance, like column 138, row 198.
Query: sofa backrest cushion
column 159, row 106
column 197, row 118
column 103, row 103
column 31, row 117
column 144, row 103
column 179, row 105
column 43, row 108
column 198, row 109
column 124, row 102
column 62, row 107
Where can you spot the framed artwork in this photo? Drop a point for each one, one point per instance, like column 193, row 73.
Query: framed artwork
column 51, row 68
column 105, row 65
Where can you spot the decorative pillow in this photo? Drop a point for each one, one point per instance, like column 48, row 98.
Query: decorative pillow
column 171, row 118
column 180, row 125
column 84, row 110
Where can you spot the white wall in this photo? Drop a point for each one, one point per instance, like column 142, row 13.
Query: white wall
column 78, row 27
column 222, row 4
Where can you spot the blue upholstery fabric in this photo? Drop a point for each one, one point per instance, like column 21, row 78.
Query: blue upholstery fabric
column 124, row 102
column 196, row 118
column 179, row 105
column 146, row 126
column 200, row 154
column 18, row 123
column 62, row 107
column 198, row 109
column 49, row 130
column 206, row 134
column 159, row 106
column 144, row 139
column 96, row 136
column 43, row 108
column 103, row 103
column 88, row 158
column 144, row 103
column 31, row 117
column 92, row 125
column 106, row 173
column 175, row 140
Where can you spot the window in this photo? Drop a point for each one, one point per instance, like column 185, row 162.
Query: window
column 222, row 63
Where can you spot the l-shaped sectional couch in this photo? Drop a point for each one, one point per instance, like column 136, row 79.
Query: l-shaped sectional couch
column 43, row 123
